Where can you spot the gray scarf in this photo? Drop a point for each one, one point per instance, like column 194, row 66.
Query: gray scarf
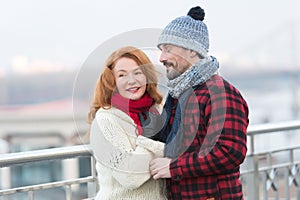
column 195, row 75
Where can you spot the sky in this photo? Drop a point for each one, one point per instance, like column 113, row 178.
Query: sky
column 51, row 35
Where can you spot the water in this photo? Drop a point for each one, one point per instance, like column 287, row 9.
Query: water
column 272, row 98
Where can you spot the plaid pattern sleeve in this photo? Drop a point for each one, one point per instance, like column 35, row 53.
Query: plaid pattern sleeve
column 215, row 126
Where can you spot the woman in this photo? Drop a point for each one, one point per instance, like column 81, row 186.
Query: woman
column 126, row 90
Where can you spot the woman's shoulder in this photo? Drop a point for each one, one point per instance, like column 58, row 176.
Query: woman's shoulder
column 112, row 113
column 109, row 111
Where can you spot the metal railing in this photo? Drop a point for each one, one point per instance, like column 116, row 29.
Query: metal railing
column 63, row 153
column 275, row 173
column 265, row 174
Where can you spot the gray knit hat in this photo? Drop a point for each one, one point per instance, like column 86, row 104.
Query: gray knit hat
column 188, row 32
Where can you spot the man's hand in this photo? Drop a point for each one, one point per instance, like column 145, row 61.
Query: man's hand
column 159, row 168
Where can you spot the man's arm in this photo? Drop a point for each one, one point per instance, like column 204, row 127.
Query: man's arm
column 224, row 145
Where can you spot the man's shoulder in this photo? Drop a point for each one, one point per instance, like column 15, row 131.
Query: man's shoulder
column 220, row 82
column 216, row 81
column 216, row 84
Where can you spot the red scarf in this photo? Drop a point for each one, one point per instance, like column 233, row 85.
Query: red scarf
column 134, row 107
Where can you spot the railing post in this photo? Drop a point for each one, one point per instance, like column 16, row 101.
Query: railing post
column 287, row 182
column 68, row 190
column 92, row 187
column 264, row 185
column 298, row 181
column 71, row 170
column 5, row 178
column 30, row 195
column 253, row 178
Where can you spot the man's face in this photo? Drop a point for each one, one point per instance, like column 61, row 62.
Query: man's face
column 175, row 59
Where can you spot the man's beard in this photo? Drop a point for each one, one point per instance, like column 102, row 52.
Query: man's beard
column 172, row 73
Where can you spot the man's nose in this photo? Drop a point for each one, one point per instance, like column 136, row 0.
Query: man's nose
column 163, row 57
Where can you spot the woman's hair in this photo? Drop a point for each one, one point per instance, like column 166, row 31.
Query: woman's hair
column 106, row 83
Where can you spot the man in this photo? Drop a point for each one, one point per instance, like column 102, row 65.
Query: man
column 207, row 118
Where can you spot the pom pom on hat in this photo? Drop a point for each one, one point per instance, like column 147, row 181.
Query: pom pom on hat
column 197, row 13
column 188, row 31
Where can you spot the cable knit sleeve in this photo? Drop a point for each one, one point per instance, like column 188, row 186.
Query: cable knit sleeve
column 155, row 147
column 113, row 149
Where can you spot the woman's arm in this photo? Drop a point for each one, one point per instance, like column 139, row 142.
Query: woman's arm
column 112, row 148
column 156, row 147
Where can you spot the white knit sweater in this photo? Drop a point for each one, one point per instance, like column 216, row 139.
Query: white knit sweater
column 123, row 158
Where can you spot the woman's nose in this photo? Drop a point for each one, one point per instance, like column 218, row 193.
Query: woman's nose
column 131, row 79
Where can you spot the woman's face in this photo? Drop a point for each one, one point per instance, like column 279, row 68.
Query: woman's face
column 130, row 80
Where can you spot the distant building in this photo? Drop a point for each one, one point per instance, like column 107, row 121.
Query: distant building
column 42, row 126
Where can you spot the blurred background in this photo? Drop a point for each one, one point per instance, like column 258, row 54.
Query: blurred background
column 44, row 46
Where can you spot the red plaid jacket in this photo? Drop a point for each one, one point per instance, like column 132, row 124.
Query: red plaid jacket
column 216, row 118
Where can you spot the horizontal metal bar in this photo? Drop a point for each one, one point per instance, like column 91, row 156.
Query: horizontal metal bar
column 47, row 185
column 273, row 127
column 263, row 153
column 278, row 166
column 266, row 168
column 10, row 159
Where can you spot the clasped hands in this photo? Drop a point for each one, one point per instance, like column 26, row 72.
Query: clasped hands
column 152, row 124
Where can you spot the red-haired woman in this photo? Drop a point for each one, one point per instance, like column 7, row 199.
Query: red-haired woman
column 126, row 89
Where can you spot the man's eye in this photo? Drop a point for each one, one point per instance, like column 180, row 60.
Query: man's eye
column 167, row 50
